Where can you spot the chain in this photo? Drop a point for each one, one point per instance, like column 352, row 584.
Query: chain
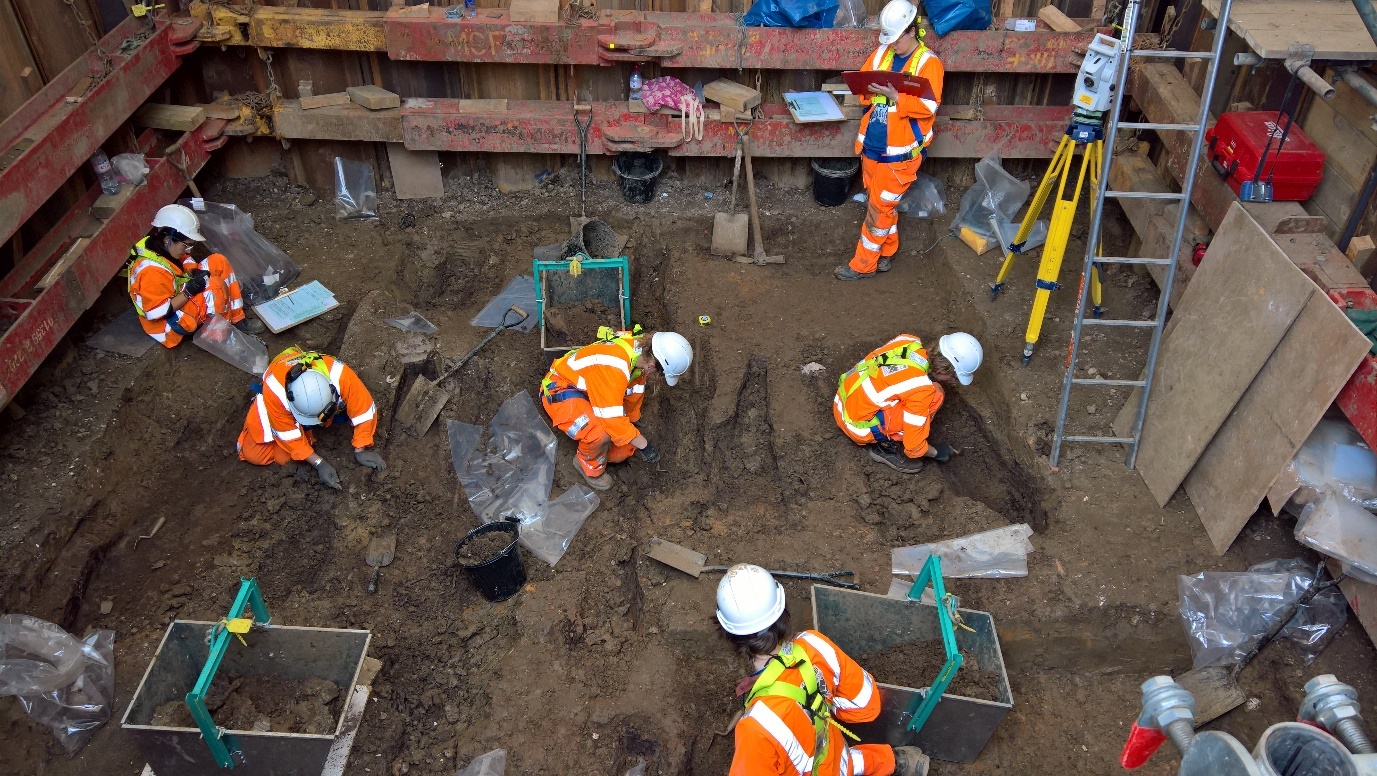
column 1170, row 30
column 262, row 103
column 578, row 10
column 978, row 97
column 106, row 64
column 1112, row 13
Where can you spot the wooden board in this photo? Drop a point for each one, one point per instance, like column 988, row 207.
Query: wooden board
column 106, row 204
column 674, row 555
column 374, row 97
column 182, row 118
column 70, row 256
column 1275, row 415
column 1241, row 301
column 730, row 94
column 1271, row 27
column 415, row 174
column 1054, row 18
column 1362, row 251
column 1345, row 146
column 324, row 100
column 534, row 11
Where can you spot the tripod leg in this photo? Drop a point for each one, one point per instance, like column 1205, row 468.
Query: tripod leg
column 1058, row 232
column 1062, row 158
column 1096, row 279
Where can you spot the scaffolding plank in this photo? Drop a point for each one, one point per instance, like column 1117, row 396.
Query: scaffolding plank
column 1271, row 27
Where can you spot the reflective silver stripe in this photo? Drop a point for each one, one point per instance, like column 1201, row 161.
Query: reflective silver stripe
column 638, row 388
column 889, row 196
column 914, row 420
column 581, row 384
column 860, row 431
column 923, row 60
column 885, row 232
column 929, row 104
column 262, row 408
column 237, row 304
column 366, row 415
column 857, row 761
column 869, row 245
column 828, row 654
column 879, row 57
column 860, row 137
column 904, row 387
column 862, row 696
column 160, row 337
column 780, row 732
column 336, row 370
column 598, row 359
column 288, row 435
column 160, row 311
column 609, row 412
column 903, row 149
column 280, row 393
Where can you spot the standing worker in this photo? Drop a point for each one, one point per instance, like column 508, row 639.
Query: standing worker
column 791, row 726
column 889, row 398
column 895, row 132
column 301, row 390
column 594, row 395
column 172, row 292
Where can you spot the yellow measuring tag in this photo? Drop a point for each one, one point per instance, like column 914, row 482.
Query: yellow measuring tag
column 238, row 626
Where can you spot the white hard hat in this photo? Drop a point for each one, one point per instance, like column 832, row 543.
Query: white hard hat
column 897, row 16
column 308, row 396
column 673, row 353
column 181, row 218
column 749, row 600
column 964, row 353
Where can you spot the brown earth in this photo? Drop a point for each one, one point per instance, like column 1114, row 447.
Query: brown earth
column 918, row 665
column 483, row 547
column 611, row 654
column 577, row 323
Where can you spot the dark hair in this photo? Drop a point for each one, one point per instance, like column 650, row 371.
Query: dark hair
column 940, row 363
column 157, row 241
column 766, row 641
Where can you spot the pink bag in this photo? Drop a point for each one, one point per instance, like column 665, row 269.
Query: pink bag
column 666, row 92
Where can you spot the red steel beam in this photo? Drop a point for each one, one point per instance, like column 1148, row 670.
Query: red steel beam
column 709, row 40
column 537, row 126
column 46, row 318
column 64, row 133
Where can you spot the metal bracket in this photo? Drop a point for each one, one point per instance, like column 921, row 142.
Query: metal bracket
column 224, row 748
column 919, row 710
column 630, row 38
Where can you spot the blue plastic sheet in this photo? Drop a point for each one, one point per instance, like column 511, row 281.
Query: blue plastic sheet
column 791, row 13
column 948, row 15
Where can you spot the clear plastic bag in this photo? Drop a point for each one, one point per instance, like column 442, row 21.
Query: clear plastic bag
column 1005, row 231
column 413, row 322
column 1335, row 458
column 925, row 198
column 996, row 554
column 232, row 346
column 262, row 268
column 1226, row 613
column 995, row 192
column 1341, row 529
column 131, row 168
column 64, row 683
column 493, row 763
column 639, row 768
column 356, row 194
column 850, row 13
column 548, row 537
column 519, row 292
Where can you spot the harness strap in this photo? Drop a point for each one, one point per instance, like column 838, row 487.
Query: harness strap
column 903, row 355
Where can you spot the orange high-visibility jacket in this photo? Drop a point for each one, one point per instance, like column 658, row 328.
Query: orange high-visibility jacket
column 900, row 397
column 274, row 422
column 606, row 371
column 911, row 108
column 776, row 736
column 153, row 281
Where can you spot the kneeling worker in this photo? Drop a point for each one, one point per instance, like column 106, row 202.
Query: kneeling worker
column 302, row 389
column 889, row 398
column 791, row 726
column 594, row 395
column 173, row 293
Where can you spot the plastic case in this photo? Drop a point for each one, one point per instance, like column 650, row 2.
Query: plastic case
column 1236, row 143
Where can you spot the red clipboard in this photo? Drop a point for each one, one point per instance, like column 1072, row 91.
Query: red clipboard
column 859, row 81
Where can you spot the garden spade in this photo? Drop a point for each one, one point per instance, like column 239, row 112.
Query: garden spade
column 380, row 551
column 731, row 230
column 691, row 562
column 424, row 401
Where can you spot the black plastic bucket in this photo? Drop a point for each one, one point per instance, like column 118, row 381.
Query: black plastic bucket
column 637, row 172
column 832, row 180
column 501, row 576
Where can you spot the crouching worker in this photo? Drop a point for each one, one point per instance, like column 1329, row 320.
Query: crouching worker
column 594, row 395
column 887, row 401
column 173, row 293
column 801, row 693
column 301, row 390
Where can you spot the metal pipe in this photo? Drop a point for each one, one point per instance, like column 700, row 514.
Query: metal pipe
column 1369, row 15
column 1312, row 79
column 1247, row 59
column 1359, row 84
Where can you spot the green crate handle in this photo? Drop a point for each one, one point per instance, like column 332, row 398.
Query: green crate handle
column 920, row 708
column 622, row 263
column 223, row 748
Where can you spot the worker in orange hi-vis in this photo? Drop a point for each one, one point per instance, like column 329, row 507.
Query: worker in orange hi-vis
column 801, row 693
column 895, row 132
column 173, row 293
column 888, row 399
column 594, row 394
column 302, row 390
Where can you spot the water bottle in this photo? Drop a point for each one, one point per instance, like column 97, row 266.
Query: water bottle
column 636, row 82
column 108, row 182
column 470, row 9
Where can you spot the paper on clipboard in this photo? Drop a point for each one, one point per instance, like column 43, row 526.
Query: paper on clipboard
column 859, row 81
column 297, row 306
column 813, row 107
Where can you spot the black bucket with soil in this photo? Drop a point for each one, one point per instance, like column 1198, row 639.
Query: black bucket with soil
column 637, row 172
column 832, row 180
column 490, row 557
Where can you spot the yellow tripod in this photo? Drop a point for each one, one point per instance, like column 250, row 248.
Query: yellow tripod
column 1091, row 137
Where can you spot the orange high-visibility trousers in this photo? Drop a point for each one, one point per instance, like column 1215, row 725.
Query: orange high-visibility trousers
column 222, row 296
column 574, row 416
column 253, row 449
column 885, row 184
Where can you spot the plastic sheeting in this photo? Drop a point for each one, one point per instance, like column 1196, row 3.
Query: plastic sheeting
column 512, row 474
column 996, row 193
column 851, row 14
column 413, row 322
column 261, row 267
column 925, row 198
column 64, row 683
column 131, row 168
column 232, row 346
column 948, row 15
column 356, row 193
column 519, row 292
column 493, row 763
column 995, row 554
column 1342, row 530
column 791, row 13
column 1226, row 613
column 1335, row 458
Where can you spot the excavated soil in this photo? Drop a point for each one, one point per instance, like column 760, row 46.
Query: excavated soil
column 577, row 323
column 918, row 665
column 262, row 703
column 612, row 658
column 483, row 547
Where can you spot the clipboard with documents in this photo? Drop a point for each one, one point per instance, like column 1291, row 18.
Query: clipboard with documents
column 859, row 81
column 296, row 306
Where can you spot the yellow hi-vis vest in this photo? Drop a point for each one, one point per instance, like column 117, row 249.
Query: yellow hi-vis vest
column 850, row 382
column 139, row 254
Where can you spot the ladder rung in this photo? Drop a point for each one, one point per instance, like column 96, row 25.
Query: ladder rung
column 1157, row 126
column 1118, row 322
column 1102, row 381
column 1144, row 194
column 1130, row 260
column 1172, row 54
column 1120, row 440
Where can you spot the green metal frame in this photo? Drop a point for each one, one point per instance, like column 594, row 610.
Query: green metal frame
column 920, row 708
column 621, row 263
column 222, row 747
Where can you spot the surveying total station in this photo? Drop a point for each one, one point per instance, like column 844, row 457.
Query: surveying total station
column 1094, row 95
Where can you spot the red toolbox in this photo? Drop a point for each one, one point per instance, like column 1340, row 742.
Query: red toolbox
column 1236, row 142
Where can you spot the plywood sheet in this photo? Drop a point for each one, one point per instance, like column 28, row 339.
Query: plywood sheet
column 1237, row 308
column 415, row 174
column 1271, row 27
column 1272, row 419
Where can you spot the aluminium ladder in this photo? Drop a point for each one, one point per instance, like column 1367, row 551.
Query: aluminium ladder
column 1158, row 322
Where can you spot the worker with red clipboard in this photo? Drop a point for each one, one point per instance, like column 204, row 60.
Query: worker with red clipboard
column 903, row 86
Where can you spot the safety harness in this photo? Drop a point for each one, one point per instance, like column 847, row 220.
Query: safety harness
column 910, row 67
column 812, row 696
column 606, row 336
column 905, row 355
column 140, row 253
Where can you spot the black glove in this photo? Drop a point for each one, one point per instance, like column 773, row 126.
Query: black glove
column 196, row 282
column 328, row 475
column 943, row 453
column 649, row 454
column 370, row 459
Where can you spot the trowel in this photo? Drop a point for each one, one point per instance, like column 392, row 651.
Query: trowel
column 691, row 562
column 380, row 552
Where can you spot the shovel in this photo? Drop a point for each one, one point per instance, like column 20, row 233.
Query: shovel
column 380, row 551
column 731, row 230
column 425, row 399
column 691, row 562
column 760, row 257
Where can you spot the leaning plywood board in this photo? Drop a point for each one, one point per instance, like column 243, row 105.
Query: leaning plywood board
column 1237, row 308
column 1274, row 416
column 415, row 174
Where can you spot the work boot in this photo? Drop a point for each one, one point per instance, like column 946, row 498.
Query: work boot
column 846, row 273
column 896, row 460
column 883, row 265
column 251, row 326
column 601, row 482
column 910, row 761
